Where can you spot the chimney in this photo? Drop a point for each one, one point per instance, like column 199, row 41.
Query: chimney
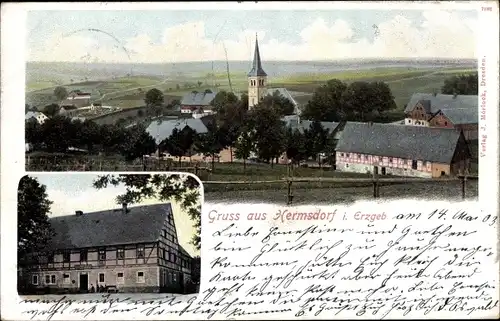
column 79, row 213
column 124, row 208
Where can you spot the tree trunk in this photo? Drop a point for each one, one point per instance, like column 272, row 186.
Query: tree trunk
column 244, row 165
column 231, row 153
column 272, row 162
column 213, row 162
column 180, row 161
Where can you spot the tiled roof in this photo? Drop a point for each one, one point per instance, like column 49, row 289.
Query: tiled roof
column 410, row 142
column 432, row 103
column 461, row 116
column 31, row 114
column 160, row 130
column 198, row 99
column 294, row 122
column 141, row 224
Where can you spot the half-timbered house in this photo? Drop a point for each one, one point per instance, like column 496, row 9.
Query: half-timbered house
column 402, row 150
column 132, row 249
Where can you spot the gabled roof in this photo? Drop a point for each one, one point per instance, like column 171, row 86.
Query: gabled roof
column 35, row 114
column 432, row 103
column 294, row 122
column 283, row 92
column 141, row 224
column 256, row 70
column 410, row 142
column 461, row 116
column 163, row 129
column 198, row 98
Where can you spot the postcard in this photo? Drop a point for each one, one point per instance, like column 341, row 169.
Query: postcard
column 250, row 160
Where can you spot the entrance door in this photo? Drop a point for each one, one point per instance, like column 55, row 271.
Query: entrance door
column 383, row 170
column 181, row 281
column 84, row 282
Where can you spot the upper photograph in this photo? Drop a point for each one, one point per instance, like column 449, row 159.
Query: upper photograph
column 283, row 106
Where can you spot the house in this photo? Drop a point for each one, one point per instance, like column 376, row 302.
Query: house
column 194, row 101
column 36, row 115
column 132, row 249
column 258, row 83
column 402, row 150
column 448, row 111
column 162, row 129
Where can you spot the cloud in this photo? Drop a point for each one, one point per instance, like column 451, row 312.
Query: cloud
column 441, row 34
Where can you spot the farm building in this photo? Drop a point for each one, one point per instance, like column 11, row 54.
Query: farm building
column 447, row 111
column 257, row 83
column 36, row 115
column 163, row 129
column 132, row 249
column 402, row 150
column 196, row 101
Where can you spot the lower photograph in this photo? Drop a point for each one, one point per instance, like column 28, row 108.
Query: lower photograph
column 84, row 233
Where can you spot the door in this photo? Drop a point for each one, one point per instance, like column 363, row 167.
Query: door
column 84, row 282
column 383, row 170
column 181, row 281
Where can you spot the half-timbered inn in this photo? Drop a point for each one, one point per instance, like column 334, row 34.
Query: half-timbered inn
column 402, row 150
column 132, row 249
column 447, row 111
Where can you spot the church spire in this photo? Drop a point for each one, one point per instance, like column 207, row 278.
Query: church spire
column 257, row 64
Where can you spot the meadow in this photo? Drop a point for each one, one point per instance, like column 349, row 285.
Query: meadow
column 128, row 91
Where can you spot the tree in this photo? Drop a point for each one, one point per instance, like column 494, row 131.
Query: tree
column 244, row 146
column 277, row 101
column 381, row 97
column 270, row 141
column 466, row 84
column 222, row 100
column 326, row 102
column 58, row 133
column 184, row 189
column 179, row 143
column 316, row 138
column 33, row 133
column 154, row 97
column 60, row 93
column 364, row 100
column 200, row 83
column 296, row 145
column 137, row 144
column 33, row 227
column 51, row 110
column 210, row 143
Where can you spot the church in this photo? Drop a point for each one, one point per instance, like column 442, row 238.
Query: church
column 258, row 83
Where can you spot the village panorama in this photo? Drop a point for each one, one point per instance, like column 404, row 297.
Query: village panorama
column 230, row 128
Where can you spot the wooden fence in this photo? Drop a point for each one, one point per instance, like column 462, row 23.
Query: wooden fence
column 375, row 181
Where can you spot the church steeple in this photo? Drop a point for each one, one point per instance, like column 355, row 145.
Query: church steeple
column 257, row 70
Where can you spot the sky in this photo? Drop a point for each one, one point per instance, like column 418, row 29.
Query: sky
column 72, row 192
column 162, row 36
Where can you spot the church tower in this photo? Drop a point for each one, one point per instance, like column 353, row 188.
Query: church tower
column 257, row 79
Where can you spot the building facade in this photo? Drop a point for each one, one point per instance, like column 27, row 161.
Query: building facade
column 195, row 101
column 402, row 150
column 39, row 117
column 445, row 111
column 129, row 250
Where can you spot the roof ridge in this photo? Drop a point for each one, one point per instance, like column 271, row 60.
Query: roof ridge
column 129, row 206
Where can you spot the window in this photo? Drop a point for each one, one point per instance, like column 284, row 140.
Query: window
column 390, row 159
column 171, row 257
column 50, row 279
column 175, row 277
column 175, row 259
column 119, row 277
column 164, row 254
column 164, row 232
column 140, row 277
column 120, row 254
column 413, row 164
column 102, row 254
column 140, row 252
column 34, row 280
column 446, row 123
column 66, row 279
column 101, row 277
column 83, row 255
column 66, row 256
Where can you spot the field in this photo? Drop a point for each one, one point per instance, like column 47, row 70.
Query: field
column 128, row 91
